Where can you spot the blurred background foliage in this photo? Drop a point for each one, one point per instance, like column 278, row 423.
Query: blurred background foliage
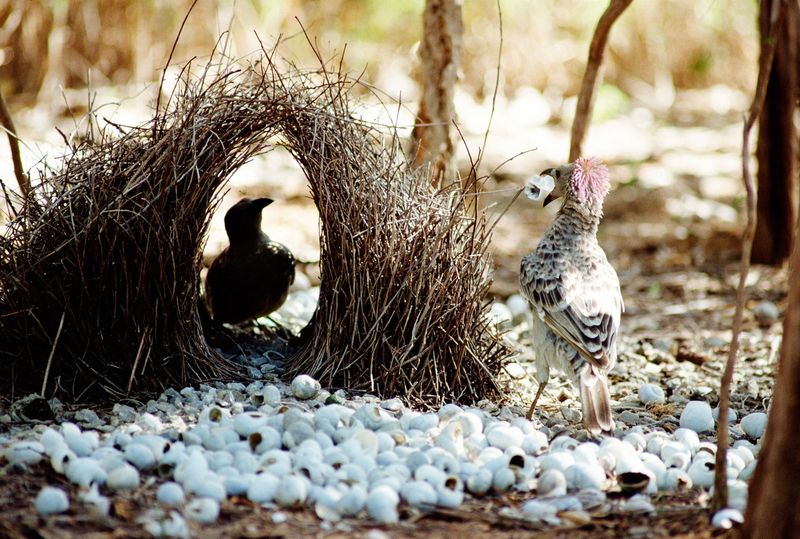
column 656, row 48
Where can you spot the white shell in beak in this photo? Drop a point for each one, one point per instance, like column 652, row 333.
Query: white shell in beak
column 538, row 187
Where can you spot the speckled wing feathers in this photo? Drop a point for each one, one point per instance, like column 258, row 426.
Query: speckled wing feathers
column 581, row 306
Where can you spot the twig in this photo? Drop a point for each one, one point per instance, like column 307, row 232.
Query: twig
column 136, row 360
column 767, row 55
column 591, row 77
column 52, row 353
column 22, row 178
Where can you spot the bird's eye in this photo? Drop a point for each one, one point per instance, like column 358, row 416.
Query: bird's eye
column 557, row 174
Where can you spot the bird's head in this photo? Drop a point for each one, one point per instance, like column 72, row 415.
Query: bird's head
column 243, row 219
column 585, row 181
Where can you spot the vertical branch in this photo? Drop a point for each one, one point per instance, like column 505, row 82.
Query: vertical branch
column 440, row 54
column 22, row 178
column 591, row 77
column 765, row 66
column 777, row 147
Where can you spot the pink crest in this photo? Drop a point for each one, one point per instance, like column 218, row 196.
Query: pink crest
column 590, row 181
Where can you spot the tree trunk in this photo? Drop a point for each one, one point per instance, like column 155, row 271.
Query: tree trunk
column 440, row 54
column 777, row 150
column 773, row 509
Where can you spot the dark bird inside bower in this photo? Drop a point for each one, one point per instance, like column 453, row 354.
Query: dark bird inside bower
column 251, row 277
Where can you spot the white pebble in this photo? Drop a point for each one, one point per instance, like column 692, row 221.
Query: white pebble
column 382, row 505
column 304, row 387
column 727, row 518
column 170, row 493
column 697, row 417
column 124, row 477
column 651, row 394
column 754, row 424
column 51, row 500
column 203, row 510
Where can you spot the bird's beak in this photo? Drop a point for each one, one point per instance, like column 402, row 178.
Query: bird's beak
column 262, row 202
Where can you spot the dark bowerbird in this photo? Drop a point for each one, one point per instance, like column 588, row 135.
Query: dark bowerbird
column 251, row 277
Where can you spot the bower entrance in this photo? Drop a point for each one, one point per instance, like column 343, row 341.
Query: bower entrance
column 100, row 269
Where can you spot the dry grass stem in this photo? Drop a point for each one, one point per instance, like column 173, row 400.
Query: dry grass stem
column 720, row 500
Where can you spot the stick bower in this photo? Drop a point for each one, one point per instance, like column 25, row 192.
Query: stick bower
column 99, row 270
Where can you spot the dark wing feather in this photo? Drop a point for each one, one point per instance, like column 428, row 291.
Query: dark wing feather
column 581, row 307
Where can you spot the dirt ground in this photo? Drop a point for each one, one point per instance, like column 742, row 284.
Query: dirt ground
column 678, row 515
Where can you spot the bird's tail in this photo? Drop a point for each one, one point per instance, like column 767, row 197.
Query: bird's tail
column 596, row 402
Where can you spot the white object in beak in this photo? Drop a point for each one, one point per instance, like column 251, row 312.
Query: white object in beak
column 538, row 187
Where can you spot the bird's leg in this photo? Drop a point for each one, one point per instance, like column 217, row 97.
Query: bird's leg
column 539, row 392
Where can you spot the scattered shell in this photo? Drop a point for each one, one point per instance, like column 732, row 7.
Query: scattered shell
column 382, row 505
column 124, row 477
column 766, row 313
column 633, row 482
column 419, row 494
column 203, row 510
column 552, row 483
column 727, row 518
column 25, row 453
column 754, row 424
column 170, row 493
column 51, row 500
column 540, row 510
column 651, row 394
column 304, row 387
column 697, row 417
